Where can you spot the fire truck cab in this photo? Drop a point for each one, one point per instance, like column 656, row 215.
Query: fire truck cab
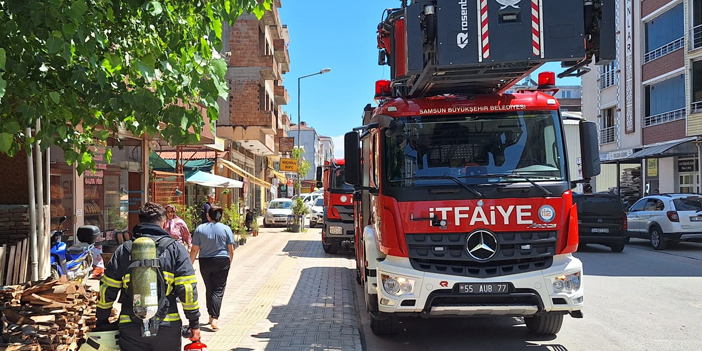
column 463, row 199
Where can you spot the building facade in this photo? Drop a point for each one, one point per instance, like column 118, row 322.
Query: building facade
column 252, row 118
column 645, row 103
column 327, row 148
column 312, row 146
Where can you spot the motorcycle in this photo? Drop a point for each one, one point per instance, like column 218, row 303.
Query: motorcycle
column 75, row 262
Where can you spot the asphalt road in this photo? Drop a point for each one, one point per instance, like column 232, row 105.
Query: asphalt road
column 639, row 299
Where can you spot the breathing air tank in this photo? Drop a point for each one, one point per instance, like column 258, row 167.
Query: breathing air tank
column 144, row 281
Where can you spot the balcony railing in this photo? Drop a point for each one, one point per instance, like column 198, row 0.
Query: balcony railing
column 696, row 107
column 608, row 78
column 608, row 135
column 664, row 50
column 696, row 37
column 664, row 117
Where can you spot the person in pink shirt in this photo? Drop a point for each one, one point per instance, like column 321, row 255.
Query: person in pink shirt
column 176, row 227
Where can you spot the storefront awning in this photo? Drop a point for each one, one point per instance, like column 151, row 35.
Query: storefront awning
column 212, row 180
column 238, row 170
column 680, row 147
column 281, row 177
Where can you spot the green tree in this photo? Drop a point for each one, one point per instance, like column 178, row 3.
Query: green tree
column 88, row 68
column 302, row 165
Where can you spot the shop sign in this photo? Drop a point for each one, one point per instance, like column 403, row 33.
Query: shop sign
column 288, row 165
column 688, row 166
column 619, row 154
column 96, row 177
column 652, row 167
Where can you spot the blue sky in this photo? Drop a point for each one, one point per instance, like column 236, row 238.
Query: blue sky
column 342, row 38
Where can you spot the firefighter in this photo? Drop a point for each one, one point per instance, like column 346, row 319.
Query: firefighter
column 175, row 280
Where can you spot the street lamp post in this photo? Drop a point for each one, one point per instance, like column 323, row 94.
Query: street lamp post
column 299, row 182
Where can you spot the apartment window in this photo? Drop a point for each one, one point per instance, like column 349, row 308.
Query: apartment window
column 696, row 33
column 665, row 101
column 665, row 33
column 608, row 125
column 263, row 48
column 696, row 83
column 608, row 75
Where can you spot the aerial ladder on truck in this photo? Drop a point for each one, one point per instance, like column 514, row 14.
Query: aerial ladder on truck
column 463, row 200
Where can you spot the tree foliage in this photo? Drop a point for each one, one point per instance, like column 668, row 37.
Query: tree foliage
column 90, row 68
column 302, row 165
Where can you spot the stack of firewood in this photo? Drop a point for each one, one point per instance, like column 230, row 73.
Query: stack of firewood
column 47, row 315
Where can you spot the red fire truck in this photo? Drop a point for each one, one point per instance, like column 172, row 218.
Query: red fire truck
column 338, row 229
column 463, row 201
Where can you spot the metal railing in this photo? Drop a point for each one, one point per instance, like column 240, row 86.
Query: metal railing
column 608, row 135
column 665, row 117
column 696, row 37
column 696, row 107
column 664, row 50
column 608, row 78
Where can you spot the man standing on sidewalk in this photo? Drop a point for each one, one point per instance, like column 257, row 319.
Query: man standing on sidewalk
column 174, row 263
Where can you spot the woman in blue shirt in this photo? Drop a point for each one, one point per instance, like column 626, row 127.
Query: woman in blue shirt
column 214, row 242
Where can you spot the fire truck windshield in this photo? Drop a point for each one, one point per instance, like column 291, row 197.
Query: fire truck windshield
column 337, row 180
column 527, row 143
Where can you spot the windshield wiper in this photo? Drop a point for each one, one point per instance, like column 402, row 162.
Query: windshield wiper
column 545, row 191
column 449, row 177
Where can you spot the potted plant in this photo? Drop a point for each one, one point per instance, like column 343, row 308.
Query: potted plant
column 254, row 227
column 299, row 210
column 242, row 235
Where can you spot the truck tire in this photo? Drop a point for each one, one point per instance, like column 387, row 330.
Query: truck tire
column 331, row 248
column 382, row 326
column 544, row 324
column 657, row 240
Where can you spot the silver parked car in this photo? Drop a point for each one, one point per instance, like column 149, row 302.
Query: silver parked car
column 666, row 218
column 278, row 212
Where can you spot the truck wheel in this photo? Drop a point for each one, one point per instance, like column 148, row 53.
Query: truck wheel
column 382, row 326
column 657, row 240
column 331, row 248
column 617, row 247
column 544, row 324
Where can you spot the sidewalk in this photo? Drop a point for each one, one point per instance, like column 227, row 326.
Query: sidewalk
column 285, row 293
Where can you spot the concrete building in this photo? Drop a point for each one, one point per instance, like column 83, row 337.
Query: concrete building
column 310, row 143
column 252, row 119
column 645, row 102
column 327, row 148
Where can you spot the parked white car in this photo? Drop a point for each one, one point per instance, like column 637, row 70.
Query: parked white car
column 317, row 212
column 278, row 212
column 666, row 218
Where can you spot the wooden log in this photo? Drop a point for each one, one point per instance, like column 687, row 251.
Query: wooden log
column 43, row 286
column 24, row 260
column 15, row 318
column 9, row 279
column 3, row 249
column 17, row 263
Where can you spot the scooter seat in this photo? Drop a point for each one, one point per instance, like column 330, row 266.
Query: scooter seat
column 77, row 250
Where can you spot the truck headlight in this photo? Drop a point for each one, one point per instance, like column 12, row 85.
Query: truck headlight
column 397, row 285
column 567, row 283
column 336, row 230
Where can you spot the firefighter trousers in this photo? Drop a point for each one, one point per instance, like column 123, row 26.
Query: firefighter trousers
column 168, row 338
column 214, row 273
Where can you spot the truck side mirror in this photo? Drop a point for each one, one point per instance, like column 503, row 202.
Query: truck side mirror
column 590, row 150
column 319, row 174
column 352, row 156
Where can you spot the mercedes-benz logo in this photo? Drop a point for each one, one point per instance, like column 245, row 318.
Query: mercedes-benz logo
column 482, row 245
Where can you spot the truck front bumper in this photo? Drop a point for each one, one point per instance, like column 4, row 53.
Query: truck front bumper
column 435, row 295
column 338, row 230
